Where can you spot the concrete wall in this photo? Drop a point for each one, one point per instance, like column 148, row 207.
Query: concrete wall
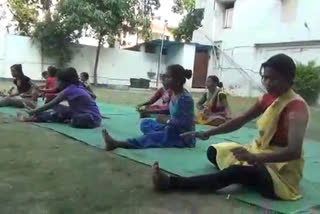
column 256, row 21
column 115, row 66
column 239, row 68
column 267, row 21
column 19, row 49
column 184, row 55
column 175, row 55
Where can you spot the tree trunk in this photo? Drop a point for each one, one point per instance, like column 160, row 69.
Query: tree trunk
column 41, row 57
column 95, row 74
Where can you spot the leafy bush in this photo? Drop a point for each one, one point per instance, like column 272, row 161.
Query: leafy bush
column 307, row 82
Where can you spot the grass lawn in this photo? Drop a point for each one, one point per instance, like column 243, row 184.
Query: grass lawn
column 46, row 172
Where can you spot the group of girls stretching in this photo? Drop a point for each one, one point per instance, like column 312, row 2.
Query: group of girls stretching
column 81, row 110
column 272, row 164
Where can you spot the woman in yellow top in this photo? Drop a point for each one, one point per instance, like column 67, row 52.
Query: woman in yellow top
column 273, row 163
column 213, row 108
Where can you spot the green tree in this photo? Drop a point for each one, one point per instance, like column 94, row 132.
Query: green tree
column 307, row 81
column 107, row 19
column 190, row 22
column 54, row 38
column 25, row 13
column 143, row 16
column 56, row 33
column 45, row 6
column 183, row 6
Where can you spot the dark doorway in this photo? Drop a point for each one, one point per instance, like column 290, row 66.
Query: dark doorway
column 200, row 69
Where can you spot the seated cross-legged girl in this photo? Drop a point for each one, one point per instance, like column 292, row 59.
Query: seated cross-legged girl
column 213, row 108
column 159, row 102
column 49, row 90
column 165, row 132
column 25, row 90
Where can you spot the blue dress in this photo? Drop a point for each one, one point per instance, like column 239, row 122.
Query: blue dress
column 158, row 135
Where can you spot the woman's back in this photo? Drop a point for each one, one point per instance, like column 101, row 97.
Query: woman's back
column 80, row 101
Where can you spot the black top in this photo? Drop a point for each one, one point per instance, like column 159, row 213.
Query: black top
column 23, row 84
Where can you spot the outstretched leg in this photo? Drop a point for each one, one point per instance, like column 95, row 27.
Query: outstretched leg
column 112, row 144
column 255, row 177
column 9, row 101
column 23, row 118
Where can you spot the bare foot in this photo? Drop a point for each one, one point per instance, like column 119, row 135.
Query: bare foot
column 21, row 117
column 159, row 178
column 108, row 140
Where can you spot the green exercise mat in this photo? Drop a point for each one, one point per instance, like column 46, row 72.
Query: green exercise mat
column 124, row 123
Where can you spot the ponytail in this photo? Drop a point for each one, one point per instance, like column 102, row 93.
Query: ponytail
column 187, row 73
column 179, row 73
column 215, row 79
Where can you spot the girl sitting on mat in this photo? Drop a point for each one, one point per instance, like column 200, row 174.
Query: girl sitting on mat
column 273, row 163
column 82, row 111
column 84, row 78
column 213, row 108
column 49, row 90
column 25, row 95
column 159, row 102
column 44, row 75
column 166, row 131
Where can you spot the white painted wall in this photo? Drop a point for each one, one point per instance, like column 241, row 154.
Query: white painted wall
column 208, row 23
column 188, row 61
column 19, row 49
column 250, row 59
column 257, row 21
column 115, row 66
column 175, row 55
column 184, row 55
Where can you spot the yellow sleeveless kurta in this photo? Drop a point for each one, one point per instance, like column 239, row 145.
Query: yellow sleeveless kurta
column 286, row 176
